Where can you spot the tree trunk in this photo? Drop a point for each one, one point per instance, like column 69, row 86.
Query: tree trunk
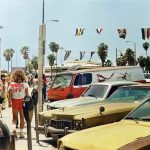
column 102, row 63
column 51, row 72
column 11, row 65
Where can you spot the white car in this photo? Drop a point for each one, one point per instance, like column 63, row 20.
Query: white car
column 94, row 94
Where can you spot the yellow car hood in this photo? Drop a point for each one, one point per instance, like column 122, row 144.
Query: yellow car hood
column 91, row 110
column 107, row 137
column 88, row 111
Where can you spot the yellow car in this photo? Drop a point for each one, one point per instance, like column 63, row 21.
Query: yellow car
column 123, row 135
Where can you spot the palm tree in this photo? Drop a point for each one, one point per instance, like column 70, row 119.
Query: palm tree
column 146, row 46
column 147, row 66
column 142, row 62
column 30, row 66
column 51, row 59
column 108, row 63
column 54, row 47
column 102, row 52
column 34, row 62
column 130, row 57
column 8, row 54
column 121, row 61
column 25, row 53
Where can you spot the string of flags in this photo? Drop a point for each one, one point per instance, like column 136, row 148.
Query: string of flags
column 82, row 53
column 122, row 32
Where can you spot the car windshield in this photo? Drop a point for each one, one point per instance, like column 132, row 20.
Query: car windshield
column 97, row 91
column 62, row 81
column 129, row 94
column 141, row 113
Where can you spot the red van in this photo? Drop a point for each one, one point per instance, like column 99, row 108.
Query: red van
column 71, row 84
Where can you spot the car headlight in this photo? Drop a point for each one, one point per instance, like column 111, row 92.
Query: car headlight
column 48, row 121
column 78, row 125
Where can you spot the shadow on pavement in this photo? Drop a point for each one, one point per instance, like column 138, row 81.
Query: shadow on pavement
column 50, row 141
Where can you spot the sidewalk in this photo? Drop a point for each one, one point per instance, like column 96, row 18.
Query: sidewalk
column 21, row 144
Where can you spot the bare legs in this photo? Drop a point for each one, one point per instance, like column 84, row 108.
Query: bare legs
column 15, row 118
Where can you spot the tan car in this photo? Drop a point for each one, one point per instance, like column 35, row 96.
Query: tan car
column 96, row 93
column 120, row 103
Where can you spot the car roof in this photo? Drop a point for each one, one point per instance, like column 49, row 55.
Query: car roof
column 137, row 85
column 115, row 83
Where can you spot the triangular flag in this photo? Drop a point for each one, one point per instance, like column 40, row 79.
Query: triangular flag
column 92, row 53
column 82, row 55
column 67, row 54
column 99, row 30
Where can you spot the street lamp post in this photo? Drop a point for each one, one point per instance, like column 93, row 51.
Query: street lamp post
column 61, row 54
column 134, row 50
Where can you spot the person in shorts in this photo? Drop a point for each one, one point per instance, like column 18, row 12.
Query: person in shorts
column 18, row 89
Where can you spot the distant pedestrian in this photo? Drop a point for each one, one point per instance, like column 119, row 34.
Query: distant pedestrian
column 44, row 81
column 3, row 91
column 18, row 89
column 35, row 81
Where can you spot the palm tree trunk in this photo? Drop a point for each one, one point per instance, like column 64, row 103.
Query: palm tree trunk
column 56, row 64
column 11, row 64
column 51, row 72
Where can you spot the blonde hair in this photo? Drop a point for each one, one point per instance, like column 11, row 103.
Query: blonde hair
column 18, row 76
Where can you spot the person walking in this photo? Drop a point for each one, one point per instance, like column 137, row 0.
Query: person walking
column 44, row 81
column 35, row 81
column 18, row 89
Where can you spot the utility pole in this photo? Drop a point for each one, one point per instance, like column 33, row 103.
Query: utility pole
column 41, row 53
column 116, row 56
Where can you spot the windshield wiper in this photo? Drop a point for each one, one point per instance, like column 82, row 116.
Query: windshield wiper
column 132, row 118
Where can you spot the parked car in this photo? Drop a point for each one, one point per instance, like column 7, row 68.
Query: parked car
column 119, row 104
column 131, row 133
column 71, row 84
column 96, row 93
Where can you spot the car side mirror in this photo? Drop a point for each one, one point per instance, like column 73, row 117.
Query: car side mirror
column 101, row 109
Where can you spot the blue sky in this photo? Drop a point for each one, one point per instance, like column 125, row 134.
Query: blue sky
column 21, row 19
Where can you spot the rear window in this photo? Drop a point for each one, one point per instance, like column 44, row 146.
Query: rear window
column 83, row 79
column 129, row 94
